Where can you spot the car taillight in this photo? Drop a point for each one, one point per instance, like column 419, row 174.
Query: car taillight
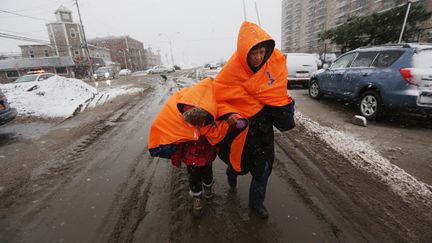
column 407, row 75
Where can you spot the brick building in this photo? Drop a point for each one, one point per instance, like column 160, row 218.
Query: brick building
column 127, row 51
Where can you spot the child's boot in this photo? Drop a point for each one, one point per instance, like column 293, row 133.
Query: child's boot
column 208, row 190
column 197, row 206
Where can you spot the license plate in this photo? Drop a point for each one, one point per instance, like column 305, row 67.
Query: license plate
column 302, row 75
column 426, row 98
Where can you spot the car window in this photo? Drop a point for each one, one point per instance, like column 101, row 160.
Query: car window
column 26, row 78
column 386, row 58
column 43, row 77
column 343, row 61
column 423, row 58
column 364, row 59
column 104, row 69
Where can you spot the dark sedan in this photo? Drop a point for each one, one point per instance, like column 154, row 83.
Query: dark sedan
column 7, row 113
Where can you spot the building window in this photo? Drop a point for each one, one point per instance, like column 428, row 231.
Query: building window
column 61, row 70
column 12, row 74
column 65, row 16
column 46, row 53
column 72, row 33
column 76, row 52
column 31, row 53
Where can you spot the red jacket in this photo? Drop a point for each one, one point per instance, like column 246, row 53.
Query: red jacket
column 196, row 153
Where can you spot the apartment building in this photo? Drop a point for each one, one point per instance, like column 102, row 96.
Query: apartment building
column 303, row 20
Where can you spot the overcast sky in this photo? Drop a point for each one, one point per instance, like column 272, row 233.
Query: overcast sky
column 200, row 31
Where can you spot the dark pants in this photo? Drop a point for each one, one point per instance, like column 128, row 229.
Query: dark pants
column 258, row 187
column 199, row 175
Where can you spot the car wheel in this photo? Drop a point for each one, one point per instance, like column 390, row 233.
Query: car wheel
column 314, row 89
column 370, row 104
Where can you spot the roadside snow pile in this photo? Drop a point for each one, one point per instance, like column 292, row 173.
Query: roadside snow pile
column 109, row 94
column 58, row 97
column 54, row 97
column 364, row 157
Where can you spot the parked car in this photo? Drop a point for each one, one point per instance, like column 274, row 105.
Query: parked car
column 125, row 72
column 106, row 73
column 34, row 77
column 328, row 57
column 300, row 66
column 392, row 77
column 7, row 113
column 214, row 66
column 203, row 73
column 171, row 69
column 158, row 69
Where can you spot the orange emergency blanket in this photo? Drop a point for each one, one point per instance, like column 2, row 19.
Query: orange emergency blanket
column 169, row 127
column 239, row 90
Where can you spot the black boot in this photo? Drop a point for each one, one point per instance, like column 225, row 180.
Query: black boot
column 261, row 211
column 232, row 178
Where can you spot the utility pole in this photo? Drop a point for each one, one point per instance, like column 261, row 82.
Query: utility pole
column 244, row 10
column 172, row 57
column 170, row 45
column 256, row 9
column 85, row 42
column 405, row 19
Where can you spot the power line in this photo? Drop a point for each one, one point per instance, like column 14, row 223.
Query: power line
column 39, row 41
column 23, row 38
column 41, row 5
column 19, row 33
column 22, row 15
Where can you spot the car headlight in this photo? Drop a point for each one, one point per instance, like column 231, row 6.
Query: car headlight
column 106, row 75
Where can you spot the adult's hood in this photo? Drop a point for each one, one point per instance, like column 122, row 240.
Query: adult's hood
column 169, row 127
column 249, row 36
column 241, row 90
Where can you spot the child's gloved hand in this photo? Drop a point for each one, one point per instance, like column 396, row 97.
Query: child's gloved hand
column 237, row 121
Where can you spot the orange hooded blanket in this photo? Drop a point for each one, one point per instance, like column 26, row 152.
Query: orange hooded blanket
column 169, row 127
column 239, row 90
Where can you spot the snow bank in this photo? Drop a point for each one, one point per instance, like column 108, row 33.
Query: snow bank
column 364, row 157
column 109, row 94
column 57, row 97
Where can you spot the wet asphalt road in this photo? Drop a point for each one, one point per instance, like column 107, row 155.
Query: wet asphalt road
column 101, row 185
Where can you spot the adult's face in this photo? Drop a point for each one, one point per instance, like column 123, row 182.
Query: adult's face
column 256, row 57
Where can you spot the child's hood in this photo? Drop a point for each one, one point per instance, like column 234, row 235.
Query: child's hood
column 200, row 95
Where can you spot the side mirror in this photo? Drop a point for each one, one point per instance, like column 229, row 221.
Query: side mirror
column 326, row 66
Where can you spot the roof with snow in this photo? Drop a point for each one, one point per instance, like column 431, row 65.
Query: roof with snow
column 63, row 9
column 23, row 63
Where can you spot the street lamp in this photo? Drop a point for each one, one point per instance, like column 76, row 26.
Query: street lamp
column 405, row 19
column 124, row 55
column 170, row 44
